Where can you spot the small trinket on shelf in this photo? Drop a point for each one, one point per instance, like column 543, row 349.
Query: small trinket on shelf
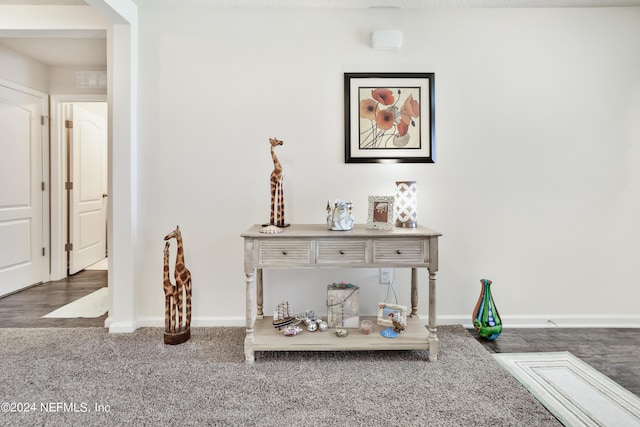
column 323, row 326
column 312, row 325
column 291, row 330
column 366, row 327
column 341, row 333
column 343, row 305
column 282, row 315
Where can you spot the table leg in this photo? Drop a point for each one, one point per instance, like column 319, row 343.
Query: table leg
column 259, row 294
column 433, row 329
column 414, row 292
column 249, row 339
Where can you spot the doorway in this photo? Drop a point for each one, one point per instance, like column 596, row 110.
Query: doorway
column 122, row 70
column 85, row 158
column 65, row 200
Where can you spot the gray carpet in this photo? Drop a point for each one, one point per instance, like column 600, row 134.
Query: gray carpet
column 137, row 380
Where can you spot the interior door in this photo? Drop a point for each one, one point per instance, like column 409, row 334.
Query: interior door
column 22, row 258
column 87, row 195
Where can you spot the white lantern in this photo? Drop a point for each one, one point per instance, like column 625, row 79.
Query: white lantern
column 406, row 204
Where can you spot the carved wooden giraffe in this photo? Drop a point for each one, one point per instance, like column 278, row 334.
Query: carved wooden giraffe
column 183, row 282
column 277, row 193
column 169, row 294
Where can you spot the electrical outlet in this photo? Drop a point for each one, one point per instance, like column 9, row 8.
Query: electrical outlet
column 386, row 276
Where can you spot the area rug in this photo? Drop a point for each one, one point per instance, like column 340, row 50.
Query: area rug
column 86, row 377
column 575, row 392
column 93, row 305
column 103, row 264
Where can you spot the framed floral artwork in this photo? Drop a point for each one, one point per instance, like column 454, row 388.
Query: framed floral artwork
column 381, row 212
column 389, row 117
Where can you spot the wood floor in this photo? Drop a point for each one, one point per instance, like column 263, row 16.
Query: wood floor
column 25, row 308
column 613, row 351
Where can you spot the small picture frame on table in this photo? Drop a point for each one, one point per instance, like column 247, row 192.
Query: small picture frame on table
column 387, row 311
column 380, row 213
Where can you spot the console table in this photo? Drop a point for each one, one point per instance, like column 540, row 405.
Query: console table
column 314, row 246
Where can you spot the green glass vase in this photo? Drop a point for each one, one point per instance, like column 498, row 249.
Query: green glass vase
column 486, row 319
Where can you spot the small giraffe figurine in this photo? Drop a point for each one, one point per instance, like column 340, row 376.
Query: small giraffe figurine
column 169, row 293
column 183, row 286
column 277, row 194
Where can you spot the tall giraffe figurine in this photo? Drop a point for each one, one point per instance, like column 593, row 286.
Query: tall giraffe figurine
column 276, row 219
column 183, row 293
column 169, row 294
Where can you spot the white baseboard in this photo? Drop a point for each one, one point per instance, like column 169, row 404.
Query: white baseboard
column 550, row 321
column 515, row 321
column 122, row 327
column 196, row 322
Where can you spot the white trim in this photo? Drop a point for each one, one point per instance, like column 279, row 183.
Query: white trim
column 528, row 321
column 122, row 327
column 21, row 88
column 122, row 92
column 550, row 321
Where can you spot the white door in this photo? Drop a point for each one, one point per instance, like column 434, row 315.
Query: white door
column 87, row 196
column 22, row 258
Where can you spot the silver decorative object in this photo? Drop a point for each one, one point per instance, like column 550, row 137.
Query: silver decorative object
column 340, row 215
column 323, row 326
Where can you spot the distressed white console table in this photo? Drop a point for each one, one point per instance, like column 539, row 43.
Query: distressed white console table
column 314, row 246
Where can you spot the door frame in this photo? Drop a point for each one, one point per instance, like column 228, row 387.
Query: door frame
column 58, row 177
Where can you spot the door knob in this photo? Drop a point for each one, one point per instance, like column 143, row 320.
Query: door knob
column 104, row 195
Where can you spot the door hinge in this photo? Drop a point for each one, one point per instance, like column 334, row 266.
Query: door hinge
column 68, row 247
column 42, row 185
column 43, row 253
column 68, row 124
column 68, row 185
column 43, row 120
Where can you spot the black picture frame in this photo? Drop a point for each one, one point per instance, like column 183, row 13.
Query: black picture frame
column 389, row 117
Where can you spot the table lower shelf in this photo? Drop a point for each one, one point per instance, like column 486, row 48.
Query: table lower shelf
column 268, row 338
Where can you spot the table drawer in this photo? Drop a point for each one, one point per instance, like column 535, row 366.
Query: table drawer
column 284, row 252
column 400, row 251
column 341, row 251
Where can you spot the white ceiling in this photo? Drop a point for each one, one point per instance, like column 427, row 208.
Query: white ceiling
column 90, row 50
column 370, row 3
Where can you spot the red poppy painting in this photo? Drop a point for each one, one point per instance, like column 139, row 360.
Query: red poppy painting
column 389, row 117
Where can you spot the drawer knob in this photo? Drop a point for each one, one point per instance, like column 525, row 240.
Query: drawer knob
column 399, row 252
column 284, row 252
column 341, row 252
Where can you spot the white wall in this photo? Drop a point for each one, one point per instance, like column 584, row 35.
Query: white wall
column 536, row 184
column 24, row 71
column 62, row 80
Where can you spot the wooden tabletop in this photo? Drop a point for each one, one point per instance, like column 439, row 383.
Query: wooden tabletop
column 359, row 230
